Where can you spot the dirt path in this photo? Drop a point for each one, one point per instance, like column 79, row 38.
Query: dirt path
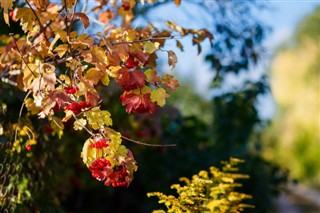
column 299, row 199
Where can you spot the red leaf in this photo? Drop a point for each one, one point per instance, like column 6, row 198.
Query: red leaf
column 92, row 98
column 141, row 56
column 138, row 103
column 130, row 80
column 60, row 97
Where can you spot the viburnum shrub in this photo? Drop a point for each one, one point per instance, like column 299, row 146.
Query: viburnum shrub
column 60, row 65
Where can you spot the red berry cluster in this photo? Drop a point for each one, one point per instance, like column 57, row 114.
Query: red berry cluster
column 102, row 171
column 118, row 177
column 70, row 90
column 99, row 144
column 76, row 108
column 100, row 168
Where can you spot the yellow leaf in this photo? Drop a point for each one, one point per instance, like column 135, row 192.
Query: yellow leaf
column 150, row 47
column 88, row 154
column 105, row 79
column 27, row 18
column 61, row 49
column 94, row 75
column 159, row 95
column 6, row 5
column 79, row 124
column 98, row 118
column 29, row 74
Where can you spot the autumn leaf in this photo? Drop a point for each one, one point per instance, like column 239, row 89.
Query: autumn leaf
column 88, row 154
column 152, row 77
column 130, row 80
column 79, row 124
column 61, row 49
column 69, row 3
column 6, row 5
column 106, row 16
column 172, row 59
column 169, row 82
column 98, row 118
column 29, row 74
column 150, row 47
column 159, row 95
column 94, row 75
column 179, row 45
column 177, row 2
column 92, row 98
column 60, row 97
column 27, row 17
column 137, row 103
column 105, row 80
column 84, row 19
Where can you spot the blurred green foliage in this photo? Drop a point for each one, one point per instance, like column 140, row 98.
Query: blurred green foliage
column 293, row 138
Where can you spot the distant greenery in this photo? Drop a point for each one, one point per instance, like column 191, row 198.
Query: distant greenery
column 293, row 139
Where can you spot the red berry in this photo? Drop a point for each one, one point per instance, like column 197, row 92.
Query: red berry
column 70, row 89
column 48, row 128
column 29, row 148
column 131, row 63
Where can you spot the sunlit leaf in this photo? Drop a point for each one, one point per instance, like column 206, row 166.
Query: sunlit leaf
column 6, row 5
column 159, row 95
column 98, row 118
column 150, row 47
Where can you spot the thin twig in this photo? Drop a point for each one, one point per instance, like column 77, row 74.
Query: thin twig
column 38, row 19
column 20, row 114
column 14, row 41
column 142, row 40
column 83, row 126
column 147, row 144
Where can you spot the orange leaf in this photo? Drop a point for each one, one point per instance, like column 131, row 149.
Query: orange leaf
column 177, row 2
column 84, row 19
column 106, row 16
column 169, row 82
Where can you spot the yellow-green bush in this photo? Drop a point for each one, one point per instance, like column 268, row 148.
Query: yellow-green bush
column 212, row 191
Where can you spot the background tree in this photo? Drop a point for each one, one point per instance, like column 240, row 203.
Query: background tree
column 295, row 85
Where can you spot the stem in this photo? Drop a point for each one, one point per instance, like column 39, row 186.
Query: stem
column 41, row 26
column 142, row 40
column 147, row 144
column 14, row 41
column 84, row 127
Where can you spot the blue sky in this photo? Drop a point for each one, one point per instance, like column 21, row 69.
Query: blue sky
column 282, row 16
